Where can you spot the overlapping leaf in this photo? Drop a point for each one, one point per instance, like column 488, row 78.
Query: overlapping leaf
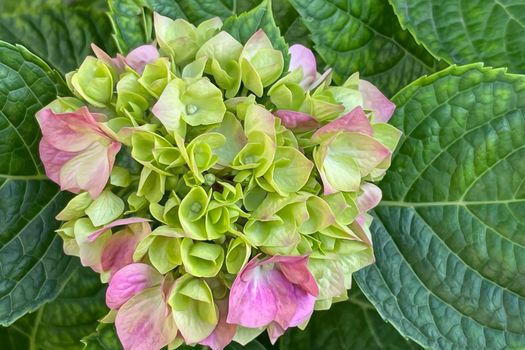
column 489, row 31
column 60, row 35
column 33, row 268
column 365, row 36
column 353, row 324
column 61, row 324
column 449, row 236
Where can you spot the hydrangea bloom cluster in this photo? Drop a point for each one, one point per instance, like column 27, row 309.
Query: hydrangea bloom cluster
column 219, row 193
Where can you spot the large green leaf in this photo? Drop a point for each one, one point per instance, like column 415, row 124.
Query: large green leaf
column 491, row 31
column 353, row 324
column 242, row 27
column 32, row 266
column 59, row 34
column 449, row 236
column 61, row 324
column 132, row 24
column 365, row 36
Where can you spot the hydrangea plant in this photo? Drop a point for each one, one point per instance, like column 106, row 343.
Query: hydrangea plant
column 219, row 192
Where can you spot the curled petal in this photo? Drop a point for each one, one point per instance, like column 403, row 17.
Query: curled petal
column 355, row 121
column 297, row 121
column 369, row 198
column 302, row 57
column 144, row 322
column 142, row 55
column 115, row 223
column 374, row 100
column 129, row 281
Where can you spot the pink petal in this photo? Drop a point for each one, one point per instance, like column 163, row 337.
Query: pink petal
column 142, row 55
column 129, row 281
column 224, row 332
column 374, row 100
column 117, row 63
column 355, row 120
column 303, row 57
column 284, row 292
column 297, row 121
column 370, row 197
column 54, row 160
column 115, row 223
column 121, row 246
column 251, row 302
column 305, row 307
column 295, row 269
column 145, row 322
column 70, row 132
column 275, row 331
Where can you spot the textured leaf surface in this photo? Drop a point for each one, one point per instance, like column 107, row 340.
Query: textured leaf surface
column 353, row 324
column 365, row 36
column 60, row 35
column 449, row 236
column 490, row 31
column 242, row 27
column 32, row 266
column 61, row 324
column 132, row 25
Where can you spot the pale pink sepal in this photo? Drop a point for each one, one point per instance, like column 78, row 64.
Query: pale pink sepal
column 137, row 59
column 141, row 56
column 354, row 121
column 129, row 281
column 115, row 223
column 297, row 121
column 76, row 151
column 145, row 322
column 375, row 101
column 264, row 295
column 223, row 334
column 370, row 197
column 120, row 247
column 303, row 57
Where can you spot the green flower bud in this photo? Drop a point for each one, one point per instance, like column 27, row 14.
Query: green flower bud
column 93, row 82
column 194, row 310
column 151, row 185
column 156, row 76
column 192, row 213
column 261, row 64
column 238, row 255
column 132, row 98
column 201, row 259
column 223, row 53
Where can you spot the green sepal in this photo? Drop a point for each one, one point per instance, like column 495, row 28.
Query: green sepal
column 156, row 76
column 165, row 253
column 132, row 98
column 105, row 209
column 290, row 170
column 75, row 208
column 120, row 177
column 192, row 213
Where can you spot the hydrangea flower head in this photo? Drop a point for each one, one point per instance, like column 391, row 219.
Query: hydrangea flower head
column 219, row 193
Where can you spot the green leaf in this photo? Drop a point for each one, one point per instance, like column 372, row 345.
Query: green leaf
column 465, row 31
column 132, row 22
column 60, row 35
column 61, row 324
column 242, row 27
column 33, row 268
column 449, row 235
column 365, row 36
column 105, row 338
column 353, row 324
